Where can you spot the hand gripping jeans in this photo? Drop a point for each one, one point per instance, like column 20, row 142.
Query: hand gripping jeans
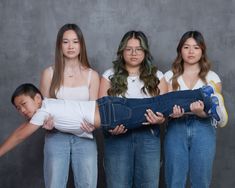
column 130, row 112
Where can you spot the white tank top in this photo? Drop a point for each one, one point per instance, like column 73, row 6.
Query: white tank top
column 80, row 93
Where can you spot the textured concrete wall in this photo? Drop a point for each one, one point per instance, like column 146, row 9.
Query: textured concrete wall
column 28, row 31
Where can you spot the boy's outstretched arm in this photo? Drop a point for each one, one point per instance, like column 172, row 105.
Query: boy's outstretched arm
column 18, row 136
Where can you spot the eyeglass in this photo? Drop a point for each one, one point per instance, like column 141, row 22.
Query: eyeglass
column 138, row 50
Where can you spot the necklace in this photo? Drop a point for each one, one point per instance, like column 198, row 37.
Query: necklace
column 70, row 75
column 70, row 72
column 133, row 78
column 134, row 73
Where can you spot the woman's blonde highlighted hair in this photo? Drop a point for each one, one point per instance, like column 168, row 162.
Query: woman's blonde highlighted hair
column 147, row 69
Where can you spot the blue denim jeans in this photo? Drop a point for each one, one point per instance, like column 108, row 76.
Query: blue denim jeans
column 130, row 112
column 133, row 159
column 189, row 147
column 59, row 150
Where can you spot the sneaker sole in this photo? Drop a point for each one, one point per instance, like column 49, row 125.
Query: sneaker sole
column 214, row 86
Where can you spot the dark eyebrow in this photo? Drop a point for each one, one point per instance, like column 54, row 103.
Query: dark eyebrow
column 133, row 47
column 71, row 39
column 190, row 45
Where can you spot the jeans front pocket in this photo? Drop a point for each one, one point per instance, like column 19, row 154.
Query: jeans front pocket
column 120, row 113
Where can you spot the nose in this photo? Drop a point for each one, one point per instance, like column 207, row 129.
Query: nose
column 133, row 51
column 70, row 45
column 191, row 50
column 22, row 110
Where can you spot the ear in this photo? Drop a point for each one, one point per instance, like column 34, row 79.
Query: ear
column 38, row 99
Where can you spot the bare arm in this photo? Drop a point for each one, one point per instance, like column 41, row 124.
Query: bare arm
column 94, row 85
column 93, row 93
column 177, row 110
column 157, row 117
column 45, row 82
column 18, row 136
column 104, row 86
column 163, row 86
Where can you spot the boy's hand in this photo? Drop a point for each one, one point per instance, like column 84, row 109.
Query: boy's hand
column 18, row 136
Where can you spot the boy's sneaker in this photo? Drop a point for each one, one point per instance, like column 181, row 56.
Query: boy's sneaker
column 209, row 89
column 218, row 110
column 214, row 112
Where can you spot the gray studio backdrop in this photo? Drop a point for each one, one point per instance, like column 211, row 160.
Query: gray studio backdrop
column 28, row 31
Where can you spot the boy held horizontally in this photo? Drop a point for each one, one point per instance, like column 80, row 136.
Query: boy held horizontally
column 110, row 111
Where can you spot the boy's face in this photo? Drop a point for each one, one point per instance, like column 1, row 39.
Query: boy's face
column 26, row 105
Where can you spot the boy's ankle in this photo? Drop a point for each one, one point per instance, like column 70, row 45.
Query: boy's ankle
column 221, row 110
column 210, row 89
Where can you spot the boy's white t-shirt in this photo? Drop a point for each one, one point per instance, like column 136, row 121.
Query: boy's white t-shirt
column 211, row 76
column 67, row 115
column 134, row 84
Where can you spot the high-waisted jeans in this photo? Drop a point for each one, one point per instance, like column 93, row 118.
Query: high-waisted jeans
column 60, row 150
column 189, row 149
column 130, row 112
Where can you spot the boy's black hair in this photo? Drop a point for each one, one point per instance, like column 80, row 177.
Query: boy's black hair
column 27, row 89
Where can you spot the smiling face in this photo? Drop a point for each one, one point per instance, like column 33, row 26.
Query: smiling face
column 26, row 105
column 70, row 44
column 133, row 54
column 191, row 51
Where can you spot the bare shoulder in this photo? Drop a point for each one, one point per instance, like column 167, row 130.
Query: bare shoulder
column 163, row 86
column 104, row 86
column 95, row 78
column 94, row 74
column 48, row 71
column 45, row 80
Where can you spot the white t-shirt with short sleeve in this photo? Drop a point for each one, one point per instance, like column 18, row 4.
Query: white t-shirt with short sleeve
column 134, row 84
column 211, row 76
column 67, row 115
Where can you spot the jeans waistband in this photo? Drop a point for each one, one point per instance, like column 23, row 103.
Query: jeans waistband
column 54, row 130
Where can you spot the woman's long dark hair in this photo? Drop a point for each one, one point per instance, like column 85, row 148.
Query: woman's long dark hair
column 147, row 69
column 178, row 64
column 59, row 65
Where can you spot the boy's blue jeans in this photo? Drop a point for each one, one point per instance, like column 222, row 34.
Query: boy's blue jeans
column 130, row 112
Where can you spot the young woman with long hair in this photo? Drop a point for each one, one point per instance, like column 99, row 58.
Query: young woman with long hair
column 71, row 77
column 190, row 140
column 132, row 157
